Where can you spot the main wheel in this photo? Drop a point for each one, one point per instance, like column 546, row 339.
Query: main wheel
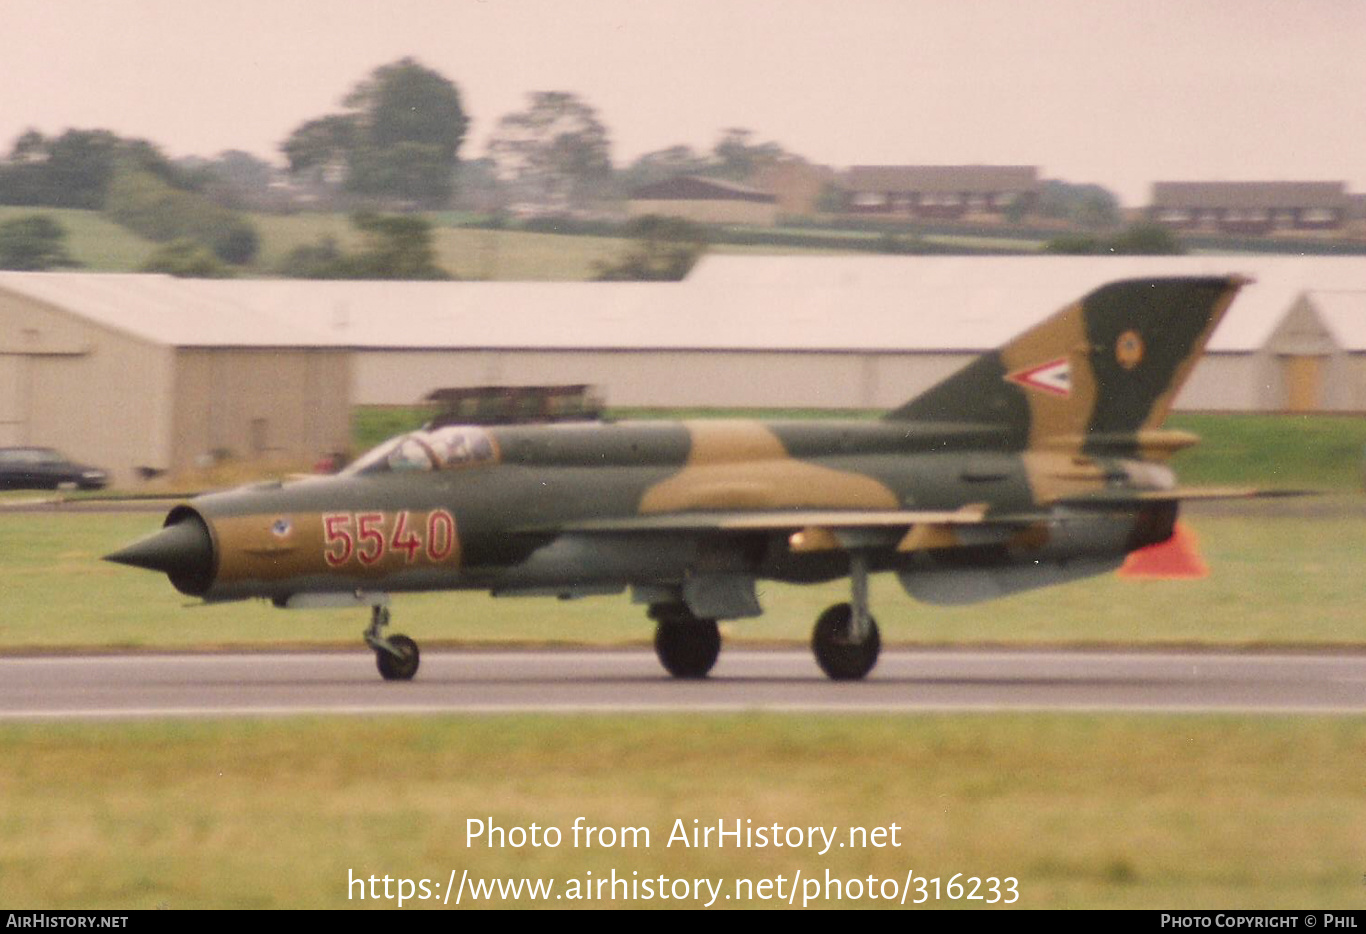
column 840, row 658
column 687, row 648
column 399, row 667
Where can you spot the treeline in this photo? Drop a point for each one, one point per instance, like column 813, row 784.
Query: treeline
column 393, row 148
column 132, row 183
column 74, row 170
column 394, row 145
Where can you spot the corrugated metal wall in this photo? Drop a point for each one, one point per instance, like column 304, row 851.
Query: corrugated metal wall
column 286, row 406
column 97, row 395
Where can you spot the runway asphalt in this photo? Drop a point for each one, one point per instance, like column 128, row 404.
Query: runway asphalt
column 609, row 681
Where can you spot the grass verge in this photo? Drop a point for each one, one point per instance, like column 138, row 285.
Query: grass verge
column 1084, row 811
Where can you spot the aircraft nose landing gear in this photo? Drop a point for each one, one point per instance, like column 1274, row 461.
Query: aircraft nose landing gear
column 397, row 656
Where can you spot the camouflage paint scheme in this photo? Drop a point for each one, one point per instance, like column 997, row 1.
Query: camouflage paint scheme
column 1040, row 462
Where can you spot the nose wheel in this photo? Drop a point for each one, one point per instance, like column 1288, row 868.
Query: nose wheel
column 396, row 656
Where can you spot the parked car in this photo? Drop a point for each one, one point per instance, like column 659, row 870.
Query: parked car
column 45, row 469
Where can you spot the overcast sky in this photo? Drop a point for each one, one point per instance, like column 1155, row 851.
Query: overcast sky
column 1120, row 93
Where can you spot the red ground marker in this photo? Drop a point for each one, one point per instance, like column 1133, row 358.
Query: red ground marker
column 1178, row 558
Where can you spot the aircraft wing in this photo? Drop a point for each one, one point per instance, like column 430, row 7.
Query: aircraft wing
column 776, row 520
column 820, row 529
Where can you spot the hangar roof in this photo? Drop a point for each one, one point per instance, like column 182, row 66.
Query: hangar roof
column 160, row 309
column 729, row 303
column 699, row 188
column 941, row 178
column 1266, row 195
column 980, row 302
column 1344, row 314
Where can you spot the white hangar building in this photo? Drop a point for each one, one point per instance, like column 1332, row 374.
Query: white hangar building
column 1294, row 339
column 812, row 331
column 146, row 371
column 140, row 373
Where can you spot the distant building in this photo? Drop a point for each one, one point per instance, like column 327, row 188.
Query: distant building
column 1254, row 208
column 1319, row 353
column 705, row 201
column 940, row 192
column 797, row 186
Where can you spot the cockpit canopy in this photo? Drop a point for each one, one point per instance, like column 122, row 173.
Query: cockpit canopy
column 450, row 448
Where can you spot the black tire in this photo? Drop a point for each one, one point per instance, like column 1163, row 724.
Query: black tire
column 840, row 659
column 399, row 667
column 687, row 648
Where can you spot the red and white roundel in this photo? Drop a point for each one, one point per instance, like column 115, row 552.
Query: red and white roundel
column 1053, row 377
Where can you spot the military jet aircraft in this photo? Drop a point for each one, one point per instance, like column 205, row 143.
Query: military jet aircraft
column 1039, row 463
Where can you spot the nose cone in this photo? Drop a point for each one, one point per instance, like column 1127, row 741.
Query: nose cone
column 182, row 550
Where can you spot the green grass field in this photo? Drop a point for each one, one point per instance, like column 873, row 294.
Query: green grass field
column 1083, row 811
column 99, row 245
column 467, row 253
column 1326, row 452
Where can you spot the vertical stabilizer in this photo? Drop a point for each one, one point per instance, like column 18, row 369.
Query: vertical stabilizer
column 1100, row 371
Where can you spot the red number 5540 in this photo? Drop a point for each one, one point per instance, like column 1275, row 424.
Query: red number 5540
column 367, row 537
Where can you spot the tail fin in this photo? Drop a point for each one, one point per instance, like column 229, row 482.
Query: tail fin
column 1093, row 376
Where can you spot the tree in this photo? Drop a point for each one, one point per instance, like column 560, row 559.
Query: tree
column 1140, row 239
column 396, row 247
column 187, row 259
column 234, row 179
column 75, row 170
column 1147, row 239
column 319, row 260
column 399, row 138
column 664, row 249
column 662, row 165
column 319, row 145
column 33, row 243
column 556, row 152
column 69, row 171
column 1088, row 206
column 737, row 158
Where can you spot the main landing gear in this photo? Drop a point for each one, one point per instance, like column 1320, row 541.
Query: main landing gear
column 846, row 640
column 687, row 646
column 396, row 656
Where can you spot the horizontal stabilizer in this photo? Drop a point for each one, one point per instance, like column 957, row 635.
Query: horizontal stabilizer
column 1159, row 444
column 1108, row 498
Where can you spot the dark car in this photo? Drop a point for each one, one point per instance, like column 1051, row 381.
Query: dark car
column 46, row 469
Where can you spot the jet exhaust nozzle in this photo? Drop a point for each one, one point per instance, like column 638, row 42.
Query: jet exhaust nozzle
column 182, row 550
